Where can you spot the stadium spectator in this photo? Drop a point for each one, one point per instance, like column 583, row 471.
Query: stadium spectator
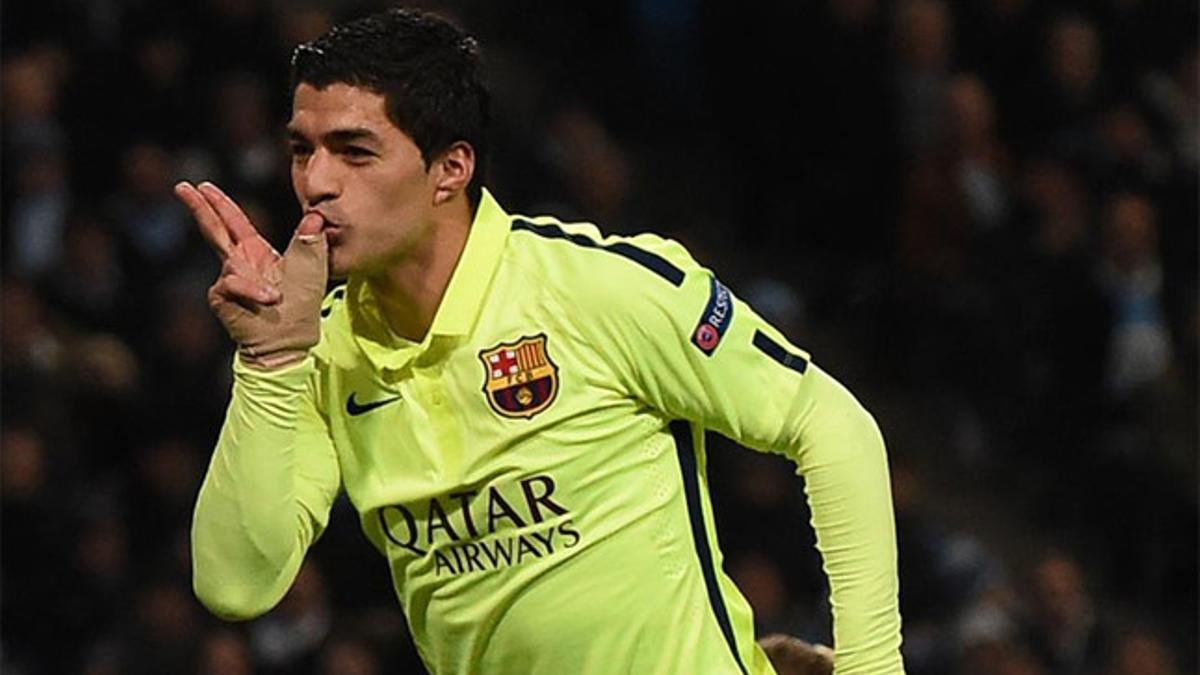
column 1067, row 631
column 225, row 653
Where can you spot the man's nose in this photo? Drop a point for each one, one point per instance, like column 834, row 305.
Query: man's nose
column 321, row 181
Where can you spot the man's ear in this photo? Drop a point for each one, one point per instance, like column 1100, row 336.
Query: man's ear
column 453, row 170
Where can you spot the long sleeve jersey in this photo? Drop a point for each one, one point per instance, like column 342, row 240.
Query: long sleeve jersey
column 533, row 471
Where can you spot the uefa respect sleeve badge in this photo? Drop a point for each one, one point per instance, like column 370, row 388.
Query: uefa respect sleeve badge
column 715, row 319
column 520, row 379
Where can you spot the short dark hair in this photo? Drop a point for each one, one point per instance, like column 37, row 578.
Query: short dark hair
column 427, row 69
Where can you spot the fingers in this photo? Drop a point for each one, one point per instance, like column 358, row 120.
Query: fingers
column 245, row 292
column 239, row 282
column 239, row 227
column 211, row 227
column 231, row 214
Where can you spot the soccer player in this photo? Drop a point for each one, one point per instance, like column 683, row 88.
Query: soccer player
column 515, row 406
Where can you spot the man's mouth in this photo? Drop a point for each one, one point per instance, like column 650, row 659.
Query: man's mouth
column 330, row 226
column 326, row 219
column 333, row 231
column 333, row 234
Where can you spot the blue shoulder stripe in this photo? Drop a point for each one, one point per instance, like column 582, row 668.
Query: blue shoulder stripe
column 651, row 261
column 776, row 351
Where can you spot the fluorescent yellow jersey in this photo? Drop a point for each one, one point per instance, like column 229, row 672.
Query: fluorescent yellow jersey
column 533, row 470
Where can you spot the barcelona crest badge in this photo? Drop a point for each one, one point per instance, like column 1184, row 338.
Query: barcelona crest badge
column 520, row 379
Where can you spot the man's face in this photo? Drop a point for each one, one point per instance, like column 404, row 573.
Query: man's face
column 364, row 175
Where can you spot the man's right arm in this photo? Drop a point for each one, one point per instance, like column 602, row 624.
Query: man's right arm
column 274, row 475
column 267, row 494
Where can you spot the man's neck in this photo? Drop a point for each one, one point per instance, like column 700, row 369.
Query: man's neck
column 410, row 291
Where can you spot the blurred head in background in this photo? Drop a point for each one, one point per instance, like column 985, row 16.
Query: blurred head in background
column 347, row 655
column 1073, row 56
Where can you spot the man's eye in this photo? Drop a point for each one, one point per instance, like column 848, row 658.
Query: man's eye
column 300, row 150
column 355, row 152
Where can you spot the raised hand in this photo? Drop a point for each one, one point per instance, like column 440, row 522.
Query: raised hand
column 269, row 304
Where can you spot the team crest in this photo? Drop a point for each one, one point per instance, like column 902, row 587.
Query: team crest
column 520, row 380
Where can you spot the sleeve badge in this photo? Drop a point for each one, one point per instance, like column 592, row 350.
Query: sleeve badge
column 715, row 319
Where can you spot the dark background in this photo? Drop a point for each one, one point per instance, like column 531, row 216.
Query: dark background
column 980, row 215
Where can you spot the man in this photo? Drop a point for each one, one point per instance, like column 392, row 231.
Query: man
column 515, row 406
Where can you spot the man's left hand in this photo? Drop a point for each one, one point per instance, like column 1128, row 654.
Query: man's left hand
column 793, row 656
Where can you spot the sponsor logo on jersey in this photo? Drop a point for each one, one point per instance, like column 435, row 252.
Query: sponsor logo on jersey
column 715, row 319
column 354, row 407
column 483, row 529
column 519, row 379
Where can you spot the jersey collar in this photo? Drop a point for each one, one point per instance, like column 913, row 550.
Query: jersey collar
column 460, row 305
column 473, row 273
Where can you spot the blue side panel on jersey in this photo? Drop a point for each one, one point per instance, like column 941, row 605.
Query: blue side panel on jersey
column 653, row 262
column 682, row 431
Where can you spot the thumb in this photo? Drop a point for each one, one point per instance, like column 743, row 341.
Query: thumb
column 306, row 260
column 310, row 224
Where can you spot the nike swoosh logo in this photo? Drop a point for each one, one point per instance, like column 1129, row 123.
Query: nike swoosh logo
column 354, row 408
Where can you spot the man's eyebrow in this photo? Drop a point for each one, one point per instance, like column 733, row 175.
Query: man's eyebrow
column 350, row 135
column 339, row 136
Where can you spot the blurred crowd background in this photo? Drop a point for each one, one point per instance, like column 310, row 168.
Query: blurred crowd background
column 981, row 215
